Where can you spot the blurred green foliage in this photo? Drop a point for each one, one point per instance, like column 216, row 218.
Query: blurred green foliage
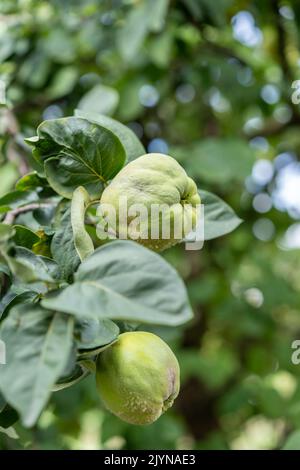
column 211, row 84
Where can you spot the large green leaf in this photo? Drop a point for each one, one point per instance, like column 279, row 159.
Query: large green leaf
column 76, row 153
column 132, row 145
column 100, row 99
column 216, row 160
column 145, row 16
column 83, row 242
column 14, row 298
column 125, row 281
column 26, row 266
column 62, row 245
column 219, row 217
column 38, row 343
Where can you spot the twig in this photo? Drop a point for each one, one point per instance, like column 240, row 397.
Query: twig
column 208, row 44
column 274, row 127
column 223, row 51
column 281, row 41
column 11, row 215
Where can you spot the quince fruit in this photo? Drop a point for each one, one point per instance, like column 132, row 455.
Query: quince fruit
column 138, row 377
column 153, row 200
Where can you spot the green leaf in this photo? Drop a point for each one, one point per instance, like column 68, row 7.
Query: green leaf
column 4, row 269
column 293, row 441
column 58, row 45
column 24, row 236
column 31, row 181
column 219, row 218
column 100, row 99
column 133, row 32
column 2, row 402
column 83, row 242
column 93, row 334
column 216, row 160
column 35, row 69
column 76, row 375
column 62, row 245
column 8, row 175
column 17, row 199
column 73, row 371
column 63, row 82
column 13, row 299
column 125, row 281
column 37, row 344
column 10, row 432
column 6, row 232
column 29, row 267
column 146, row 16
column 77, row 153
column 160, row 49
column 195, row 7
column 130, row 107
column 214, row 368
column 8, row 417
column 132, row 145
column 157, row 14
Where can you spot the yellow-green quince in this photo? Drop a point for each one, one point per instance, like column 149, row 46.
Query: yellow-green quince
column 138, row 377
column 158, row 198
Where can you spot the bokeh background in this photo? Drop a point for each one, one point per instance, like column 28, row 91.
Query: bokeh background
column 213, row 84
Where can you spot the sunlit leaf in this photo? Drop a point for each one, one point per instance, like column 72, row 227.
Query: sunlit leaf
column 34, row 362
column 124, row 281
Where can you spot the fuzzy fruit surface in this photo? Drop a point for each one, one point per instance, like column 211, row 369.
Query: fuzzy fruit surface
column 138, row 377
column 154, row 179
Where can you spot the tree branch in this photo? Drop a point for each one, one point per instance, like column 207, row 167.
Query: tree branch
column 281, row 41
column 11, row 215
column 274, row 127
